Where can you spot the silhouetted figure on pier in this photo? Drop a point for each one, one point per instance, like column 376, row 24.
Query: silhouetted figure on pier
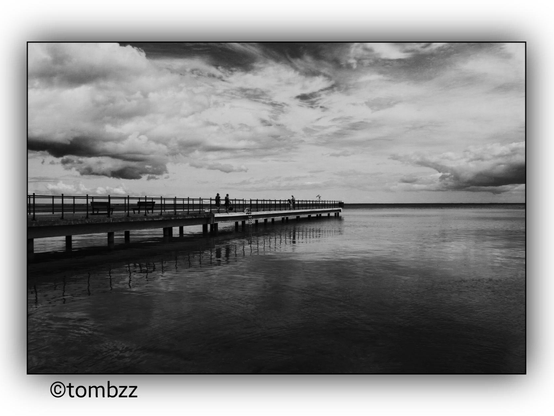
column 217, row 201
column 227, row 203
column 292, row 201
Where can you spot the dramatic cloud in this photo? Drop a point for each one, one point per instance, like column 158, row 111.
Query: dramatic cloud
column 229, row 112
column 103, row 100
column 107, row 166
column 495, row 168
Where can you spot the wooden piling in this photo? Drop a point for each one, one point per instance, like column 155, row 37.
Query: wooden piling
column 111, row 239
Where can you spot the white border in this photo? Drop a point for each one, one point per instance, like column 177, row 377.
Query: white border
column 285, row 20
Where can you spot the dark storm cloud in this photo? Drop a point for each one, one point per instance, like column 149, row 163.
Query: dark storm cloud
column 217, row 54
column 84, row 147
column 78, row 146
column 114, row 168
column 127, row 172
column 239, row 55
column 90, row 157
column 485, row 168
column 409, row 179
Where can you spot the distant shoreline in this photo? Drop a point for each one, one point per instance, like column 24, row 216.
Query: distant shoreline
column 354, row 205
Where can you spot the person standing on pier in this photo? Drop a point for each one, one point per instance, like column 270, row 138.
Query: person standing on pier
column 227, row 203
column 292, row 201
column 217, row 201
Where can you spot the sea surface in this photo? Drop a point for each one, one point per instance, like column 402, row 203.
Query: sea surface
column 377, row 291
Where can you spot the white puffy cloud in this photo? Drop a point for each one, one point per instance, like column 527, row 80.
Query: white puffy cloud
column 61, row 187
column 80, row 189
column 108, row 190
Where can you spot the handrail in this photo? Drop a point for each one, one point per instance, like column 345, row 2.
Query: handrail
column 126, row 205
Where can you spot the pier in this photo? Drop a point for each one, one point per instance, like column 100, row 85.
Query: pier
column 68, row 215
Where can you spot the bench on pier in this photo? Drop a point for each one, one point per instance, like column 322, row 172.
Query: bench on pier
column 101, row 207
column 145, row 205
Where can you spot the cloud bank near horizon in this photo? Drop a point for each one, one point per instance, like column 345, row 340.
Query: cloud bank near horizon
column 129, row 111
column 493, row 168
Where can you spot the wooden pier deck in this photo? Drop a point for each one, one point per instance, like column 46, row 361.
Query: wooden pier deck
column 77, row 218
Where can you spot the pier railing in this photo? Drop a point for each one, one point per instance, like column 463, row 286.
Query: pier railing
column 68, row 206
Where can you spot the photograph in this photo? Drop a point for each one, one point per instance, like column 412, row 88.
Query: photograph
column 276, row 208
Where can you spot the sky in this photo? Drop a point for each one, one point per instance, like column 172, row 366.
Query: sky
column 357, row 122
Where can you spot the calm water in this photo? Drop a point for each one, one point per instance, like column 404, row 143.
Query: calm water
column 377, row 291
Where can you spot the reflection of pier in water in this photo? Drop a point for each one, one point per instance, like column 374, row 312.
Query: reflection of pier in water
column 138, row 273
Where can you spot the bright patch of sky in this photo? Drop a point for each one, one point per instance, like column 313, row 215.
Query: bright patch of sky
column 384, row 122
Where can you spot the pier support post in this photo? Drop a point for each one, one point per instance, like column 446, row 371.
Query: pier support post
column 181, row 231
column 111, row 239
column 273, row 220
column 256, row 223
column 168, row 233
column 30, row 246
column 213, row 228
column 205, row 229
column 127, row 237
column 68, row 243
column 265, row 221
column 236, row 225
column 297, row 217
column 243, row 225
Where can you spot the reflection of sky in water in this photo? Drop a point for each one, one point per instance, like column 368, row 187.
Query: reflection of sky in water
column 377, row 291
